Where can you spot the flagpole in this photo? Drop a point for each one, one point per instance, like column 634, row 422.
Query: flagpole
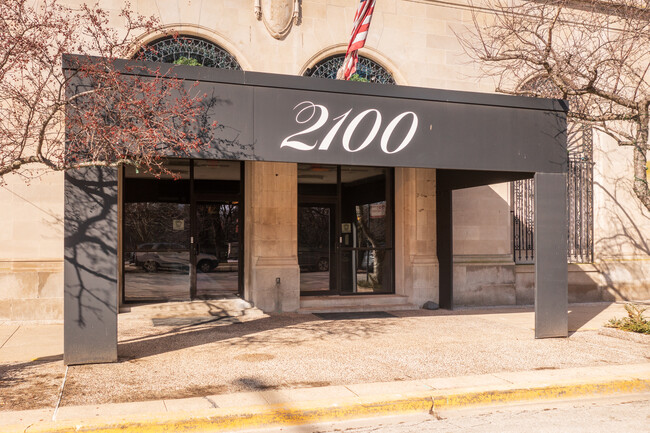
column 360, row 29
column 340, row 73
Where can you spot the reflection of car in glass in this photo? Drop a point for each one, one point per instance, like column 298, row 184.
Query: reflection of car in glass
column 206, row 262
column 314, row 259
column 170, row 256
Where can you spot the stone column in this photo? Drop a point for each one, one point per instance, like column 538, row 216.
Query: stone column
column 416, row 263
column 272, row 281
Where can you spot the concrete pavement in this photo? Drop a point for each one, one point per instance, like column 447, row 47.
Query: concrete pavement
column 27, row 341
column 259, row 370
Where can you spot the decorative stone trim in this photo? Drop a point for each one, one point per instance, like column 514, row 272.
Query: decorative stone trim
column 53, row 265
column 277, row 17
column 276, row 262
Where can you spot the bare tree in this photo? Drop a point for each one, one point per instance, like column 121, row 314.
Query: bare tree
column 126, row 115
column 595, row 53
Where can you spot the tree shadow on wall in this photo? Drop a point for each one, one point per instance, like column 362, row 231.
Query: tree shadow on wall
column 217, row 132
column 91, row 219
column 90, row 258
column 626, row 217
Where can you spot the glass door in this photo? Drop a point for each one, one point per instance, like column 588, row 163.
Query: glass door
column 216, row 249
column 181, row 233
column 316, row 247
column 156, row 235
column 345, row 230
column 366, row 231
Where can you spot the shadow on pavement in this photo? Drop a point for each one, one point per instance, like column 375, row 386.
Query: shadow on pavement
column 300, row 327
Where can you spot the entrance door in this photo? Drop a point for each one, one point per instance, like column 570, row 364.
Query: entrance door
column 366, row 231
column 317, row 247
column 216, row 249
column 181, row 233
column 345, row 230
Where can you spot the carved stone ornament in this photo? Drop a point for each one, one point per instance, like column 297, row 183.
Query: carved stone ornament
column 277, row 15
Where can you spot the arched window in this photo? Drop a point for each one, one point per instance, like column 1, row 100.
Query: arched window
column 190, row 50
column 366, row 68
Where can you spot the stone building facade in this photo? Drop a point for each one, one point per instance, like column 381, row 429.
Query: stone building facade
column 415, row 42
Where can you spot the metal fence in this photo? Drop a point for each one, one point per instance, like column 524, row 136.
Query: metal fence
column 580, row 215
column 523, row 219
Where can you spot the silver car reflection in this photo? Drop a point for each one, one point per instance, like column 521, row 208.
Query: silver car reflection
column 153, row 257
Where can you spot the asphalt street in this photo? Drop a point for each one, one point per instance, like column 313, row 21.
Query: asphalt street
column 629, row 413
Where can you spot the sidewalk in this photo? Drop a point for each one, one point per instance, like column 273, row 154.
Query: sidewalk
column 302, row 406
column 287, row 368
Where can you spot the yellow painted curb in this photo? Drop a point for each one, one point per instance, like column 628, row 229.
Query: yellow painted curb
column 224, row 419
column 541, row 393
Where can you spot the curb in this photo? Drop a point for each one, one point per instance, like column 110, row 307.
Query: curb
column 287, row 414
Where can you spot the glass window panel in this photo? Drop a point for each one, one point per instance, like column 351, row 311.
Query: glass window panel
column 143, row 186
column 364, row 206
column 365, row 271
column 367, row 69
column 366, row 261
column 156, row 251
column 317, row 180
column 217, row 260
column 343, row 215
column 315, row 247
column 183, row 48
column 217, row 177
column 371, row 225
column 180, row 169
column 156, row 239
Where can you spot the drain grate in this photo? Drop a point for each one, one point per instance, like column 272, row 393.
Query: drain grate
column 355, row 315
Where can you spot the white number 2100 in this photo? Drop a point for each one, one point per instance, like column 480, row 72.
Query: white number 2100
column 308, row 111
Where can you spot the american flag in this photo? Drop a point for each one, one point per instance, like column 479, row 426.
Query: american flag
column 357, row 39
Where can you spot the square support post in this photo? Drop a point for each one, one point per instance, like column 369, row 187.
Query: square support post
column 90, row 267
column 551, row 269
column 445, row 246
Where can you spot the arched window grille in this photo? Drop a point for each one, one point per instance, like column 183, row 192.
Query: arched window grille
column 580, row 212
column 366, row 69
column 183, row 48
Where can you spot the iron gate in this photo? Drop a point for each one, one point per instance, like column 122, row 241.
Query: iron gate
column 580, row 215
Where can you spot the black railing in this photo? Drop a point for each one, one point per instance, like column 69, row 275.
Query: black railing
column 580, row 211
column 580, row 215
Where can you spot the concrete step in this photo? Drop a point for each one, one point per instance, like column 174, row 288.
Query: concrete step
column 354, row 303
column 358, row 308
column 226, row 307
column 351, row 300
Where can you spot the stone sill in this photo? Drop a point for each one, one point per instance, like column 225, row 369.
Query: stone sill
column 573, row 267
column 484, row 259
column 45, row 265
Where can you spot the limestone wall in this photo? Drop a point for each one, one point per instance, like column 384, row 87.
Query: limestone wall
column 271, row 236
column 415, row 41
column 416, row 261
column 31, row 248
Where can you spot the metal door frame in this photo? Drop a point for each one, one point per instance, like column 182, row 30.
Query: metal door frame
column 336, row 201
column 333, row 204
column 194, row 199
